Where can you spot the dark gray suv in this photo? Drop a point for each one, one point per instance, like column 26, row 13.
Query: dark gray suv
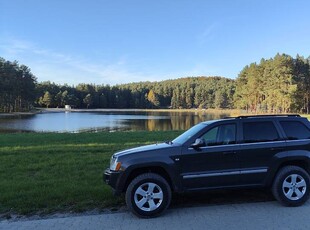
column 248, row 151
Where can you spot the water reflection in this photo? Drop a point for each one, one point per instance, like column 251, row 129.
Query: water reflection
column 111, row 121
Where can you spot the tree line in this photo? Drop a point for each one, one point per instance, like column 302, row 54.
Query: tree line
column 17, row 87
column 191, row 92
column 278, row 84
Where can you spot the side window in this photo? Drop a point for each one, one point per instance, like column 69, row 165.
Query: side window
column 259, row 132
column 295, row 130
column 211, row 135
column 220, row 135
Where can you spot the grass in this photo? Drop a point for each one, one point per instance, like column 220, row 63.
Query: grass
column 49, row 172
column 306, row 116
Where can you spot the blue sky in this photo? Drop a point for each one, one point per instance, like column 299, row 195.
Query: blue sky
column 113, row 42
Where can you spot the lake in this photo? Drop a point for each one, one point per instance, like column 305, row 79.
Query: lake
column 94, row 121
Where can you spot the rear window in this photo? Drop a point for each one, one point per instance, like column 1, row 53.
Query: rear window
column 264, row 131
column 295, row 130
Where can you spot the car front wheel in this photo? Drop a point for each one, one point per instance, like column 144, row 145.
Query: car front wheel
column 291, row 186
column 148, row 195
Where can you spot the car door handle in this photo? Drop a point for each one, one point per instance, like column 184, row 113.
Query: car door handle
column 229, row 152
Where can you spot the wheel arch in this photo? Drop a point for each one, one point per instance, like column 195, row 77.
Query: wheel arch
column 302, row 163
column 160, row 170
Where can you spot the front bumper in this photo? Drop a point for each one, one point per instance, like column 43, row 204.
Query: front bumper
column 113, row 179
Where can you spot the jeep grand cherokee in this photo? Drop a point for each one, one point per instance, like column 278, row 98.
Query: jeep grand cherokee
column 247, row 151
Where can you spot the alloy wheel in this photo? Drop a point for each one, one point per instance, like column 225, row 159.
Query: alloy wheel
column 148, row 197
column 294, row 187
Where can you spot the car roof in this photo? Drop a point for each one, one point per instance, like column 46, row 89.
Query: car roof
column 246, row 117
column 265, row 116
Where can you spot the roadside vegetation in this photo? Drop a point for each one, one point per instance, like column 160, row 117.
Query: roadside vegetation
column 52, row 172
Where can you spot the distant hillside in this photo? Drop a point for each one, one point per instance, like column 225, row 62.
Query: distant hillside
column 206, row 92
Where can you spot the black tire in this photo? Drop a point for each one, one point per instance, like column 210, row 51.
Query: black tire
column 291, row 186
column 152, row 192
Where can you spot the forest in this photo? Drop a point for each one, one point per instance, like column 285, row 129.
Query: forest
column 277, row 85
column 17, row 87
column 191, row 92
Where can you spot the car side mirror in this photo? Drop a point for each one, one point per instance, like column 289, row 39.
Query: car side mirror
column 199, row 142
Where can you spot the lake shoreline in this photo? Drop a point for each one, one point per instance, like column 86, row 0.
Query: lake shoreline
column 230, row 111
column 18, row 114
column 50, row 110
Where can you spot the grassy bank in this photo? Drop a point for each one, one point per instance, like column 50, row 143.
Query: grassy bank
column 43, row 173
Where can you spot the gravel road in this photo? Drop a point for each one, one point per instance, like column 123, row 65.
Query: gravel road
column 257, row 215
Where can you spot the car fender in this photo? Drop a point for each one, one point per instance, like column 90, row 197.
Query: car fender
column 287, row 158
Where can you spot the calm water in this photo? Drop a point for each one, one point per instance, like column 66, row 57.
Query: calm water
column 97, row 121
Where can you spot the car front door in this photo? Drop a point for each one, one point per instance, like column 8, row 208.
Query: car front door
column 214, row 164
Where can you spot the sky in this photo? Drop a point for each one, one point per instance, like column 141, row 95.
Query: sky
column 121, row 41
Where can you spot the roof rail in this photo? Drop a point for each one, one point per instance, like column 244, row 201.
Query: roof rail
column 265, row 115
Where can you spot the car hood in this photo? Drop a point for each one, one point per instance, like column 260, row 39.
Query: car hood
column 146, row 148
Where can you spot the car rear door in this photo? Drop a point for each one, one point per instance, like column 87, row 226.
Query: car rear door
column 261, row 140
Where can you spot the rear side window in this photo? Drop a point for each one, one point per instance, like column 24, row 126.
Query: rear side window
column 264, row 131
column 295, row 130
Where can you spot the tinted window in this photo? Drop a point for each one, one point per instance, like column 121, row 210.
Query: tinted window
column 220, row 135
column 295, row 130
column 259, row 132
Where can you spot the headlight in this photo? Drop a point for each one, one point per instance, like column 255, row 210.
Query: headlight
column 114, row 164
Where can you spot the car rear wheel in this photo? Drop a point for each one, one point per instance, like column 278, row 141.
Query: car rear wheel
column 291, row 186
column 148, row 195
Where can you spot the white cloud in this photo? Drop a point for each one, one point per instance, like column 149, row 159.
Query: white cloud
column 63, row 68
column 207, row 34
column 50, row 65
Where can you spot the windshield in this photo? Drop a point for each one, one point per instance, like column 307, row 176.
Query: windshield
column 189, row 133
